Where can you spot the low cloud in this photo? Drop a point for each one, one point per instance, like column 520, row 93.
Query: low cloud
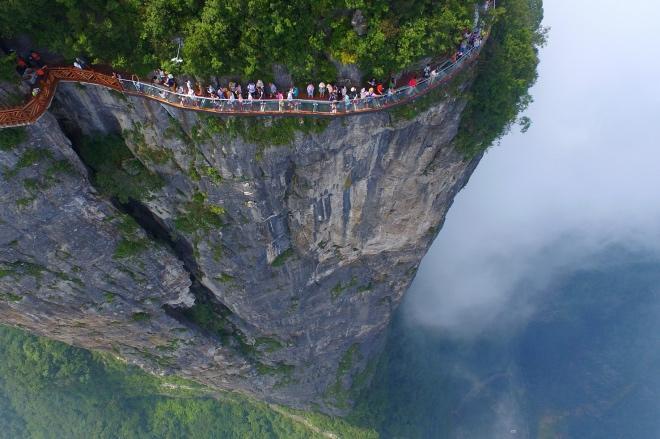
column 584, row 178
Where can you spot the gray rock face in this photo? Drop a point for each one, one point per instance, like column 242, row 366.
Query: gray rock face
column 322, row 232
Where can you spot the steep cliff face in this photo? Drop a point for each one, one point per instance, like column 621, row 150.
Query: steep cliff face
column 294, row 239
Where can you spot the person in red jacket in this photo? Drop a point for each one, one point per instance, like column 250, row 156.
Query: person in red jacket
column 412, row 83
column 21, row 65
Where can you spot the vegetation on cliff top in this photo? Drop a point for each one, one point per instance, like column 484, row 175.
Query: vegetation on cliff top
column 507, row 70
column 245, row 37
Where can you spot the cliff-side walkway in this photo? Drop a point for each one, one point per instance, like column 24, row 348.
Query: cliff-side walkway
column 30, row 112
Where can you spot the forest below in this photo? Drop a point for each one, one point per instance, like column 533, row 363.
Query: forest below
column 51, row 390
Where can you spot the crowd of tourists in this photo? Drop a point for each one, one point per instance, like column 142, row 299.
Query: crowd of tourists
column 236, row 96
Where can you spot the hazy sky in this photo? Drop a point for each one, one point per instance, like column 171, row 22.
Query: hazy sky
column 587, row 172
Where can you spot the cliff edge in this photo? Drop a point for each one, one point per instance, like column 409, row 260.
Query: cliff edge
column 260, row 255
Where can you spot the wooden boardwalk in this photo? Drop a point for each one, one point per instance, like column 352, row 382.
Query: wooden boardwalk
column 37, row 105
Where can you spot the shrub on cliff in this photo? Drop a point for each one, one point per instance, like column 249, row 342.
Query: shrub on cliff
column 116, row 171
column 11, row 137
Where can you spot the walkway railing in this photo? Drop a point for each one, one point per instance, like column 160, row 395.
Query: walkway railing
column 299, row 106
column 32, row 111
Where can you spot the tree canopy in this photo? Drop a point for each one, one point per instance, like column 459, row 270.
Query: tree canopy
column 242, row 37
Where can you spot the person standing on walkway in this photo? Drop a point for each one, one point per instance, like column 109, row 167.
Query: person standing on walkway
column 232, row 99
column 310, row 90
column 390, row 95
column 191, row 95
column 321, row 89
column 170, row 82
column 427, row 71
column 289, row 98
